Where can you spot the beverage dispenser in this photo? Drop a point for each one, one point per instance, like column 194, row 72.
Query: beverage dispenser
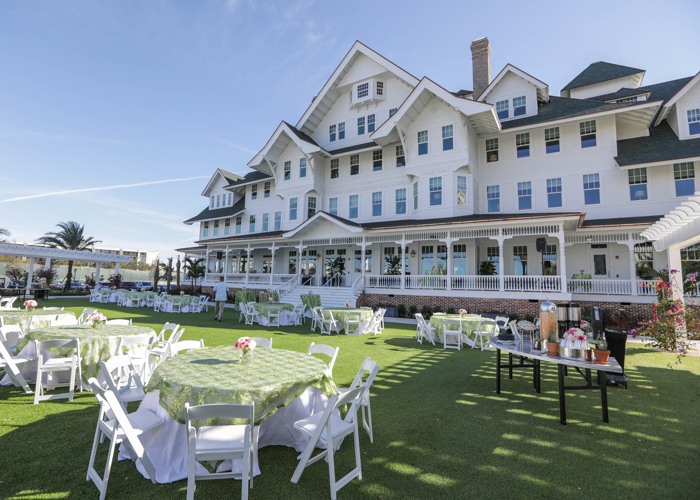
column 548, row 318
column 574, row 316
column 562, row 319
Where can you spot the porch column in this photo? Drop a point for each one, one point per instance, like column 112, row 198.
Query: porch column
column 675, row 264
column 633, row 267
column 97, row 274
column 31, row 274
column 206, row 267
column 225, row 264
column 448, row 243
column 562, row 260
column 501, row 264
column 247, row 265
column 47, row 264
column 362, row 257
column 403, row 262
column 272, row 268
column 301, row 249
column 116, row 268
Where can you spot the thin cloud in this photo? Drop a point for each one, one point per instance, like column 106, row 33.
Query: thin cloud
column 237, row 146
column 103, row 188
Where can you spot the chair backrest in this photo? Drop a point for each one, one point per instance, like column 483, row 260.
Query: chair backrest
column 148, row 340
column 10, row 335
column 353, row 396
column 419, row 318
column 368, row 366
column 42, row 345
column 514, row 329
column 7, row 302
column 122, row 322
column 85, row 315
column 327, row 315
column 118, row 372
column 452, row 325
column 176, row 347
column 221, row 411
column 353, row 317
column 261, row 342
column 64, row 320
column 324, row 349
column 316, row 315
column 168, row 326
column 53, row 309
column 490, row 324
column 109, row 402
column 501, row 320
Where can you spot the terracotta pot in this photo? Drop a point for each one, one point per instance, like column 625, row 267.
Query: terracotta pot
column 553, row 348
column 601, row 356
column 589, row 355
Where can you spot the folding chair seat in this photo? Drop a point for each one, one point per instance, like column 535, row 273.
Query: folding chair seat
column 57, row 365
column 452, row 329
column 160, row 348
column 273, row 317
column 140, row 360
column 371, row 368
column 9, row 363
column 331, row 352
column 122, row 379
column 263, row 342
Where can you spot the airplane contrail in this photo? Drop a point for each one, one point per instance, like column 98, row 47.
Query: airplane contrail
column 103, row 188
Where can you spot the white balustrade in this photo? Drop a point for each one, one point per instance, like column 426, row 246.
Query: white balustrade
column 601, row 287
column 475, row 282
column 427, row 282
column 646, row 287
column 532, row 283
column 383, row 281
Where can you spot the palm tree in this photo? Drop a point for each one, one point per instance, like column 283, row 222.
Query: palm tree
column 156, row 273
column 4, row 232
column 194, row 269
column 168, row 270
column 177, row 269
column 70, row 237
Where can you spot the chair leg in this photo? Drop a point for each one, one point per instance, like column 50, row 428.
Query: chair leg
column 190, row 477
column 368, row 424
column 358, row 459
column 330, row 458
column 245, row 477
column 108, row 467
column 93, row 453
column 39, row 387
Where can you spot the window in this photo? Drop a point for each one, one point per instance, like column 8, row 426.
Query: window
column 229, row 199
column 493, row 198
column 415, row 196
column 218, row 199
column 461, row 190
column 334, row 168
column 459, row 259
column 400, row 156
column 354, row 206
column 638, row 183
column 392, row 112
column 341, row 131
column 227, row 227
column 302, row 167
column 370, row 123
column 492, row 257
column 554, row 193
column 491, row 150
column 644, row 259
column 380, row 88
column 354, row 164
column 588, row 134
column 522, row 144
column 400, row 201
column 361, row 126
column 520, row 260
column 254, row 192
column 694, row 121
column 388, row 255
column 591, row 189
column 311, row 207
column 278, row 221
column 524, row 195
column 691, row 253
column 216, row 228
column 684, row 176
column 266, row 222
column 368, row 261
column 435, row 191
column 292, row 262
column 502, row 109
column 447, row 138
column 377, row 160
column 628, row 99
column 519, row 106
column 330, row 257
column 267, row 189
column 549, row 261
column 206, row 229
column 551, row 140
column 376, row 204
column 331, row 131
column 358, row 261
column 427, row 258
column 287, row 170
column 252, row 224
column 362, row 90
column 239, row 223
column 423, row 142
column 292, row 209
column 333, row 206
column 213, row 201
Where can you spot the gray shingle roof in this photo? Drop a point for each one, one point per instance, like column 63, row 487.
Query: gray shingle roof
column 622, row 221
column 249, row 177
column 600, row 72
column 462, row 93
column 662, row 144
column 492, row 217
column 254, row 236
column 620, row 94
column 301, row 135
column 208, row 214
column 354, row 148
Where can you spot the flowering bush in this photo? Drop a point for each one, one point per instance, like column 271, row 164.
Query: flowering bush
column 30, row 303
column 48, row 274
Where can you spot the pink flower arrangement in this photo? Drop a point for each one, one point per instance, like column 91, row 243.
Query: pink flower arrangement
column 462, row 311
column 245, row 343
column 310, row 292
column 347, row 305
column 574, row 334
column 30, row 303
column 98, row 316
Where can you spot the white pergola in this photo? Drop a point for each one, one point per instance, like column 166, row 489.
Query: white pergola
column 34, row 252
column 677, row 230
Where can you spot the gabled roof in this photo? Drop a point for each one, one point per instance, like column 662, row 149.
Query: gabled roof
column 217, row 213
column 621, row 94
column 481, row 115
column 357, row 147
column 542, row 88
column 351, row 226
column 673, row 99
column 327, row 96
column 661, row 146
column 275, row 146
column 220, row 173
column 250, row 177
column 643, row 220
column 601, row 71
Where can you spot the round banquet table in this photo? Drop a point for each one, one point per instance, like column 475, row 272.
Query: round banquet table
column 340, row 315
column 470, row 323
column 41, row 318
column 285, row 386
column 96, row 344
column 285, row 310
column 185, row 301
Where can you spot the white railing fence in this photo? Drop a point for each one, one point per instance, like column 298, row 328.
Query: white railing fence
column 426, row 282
column 358, row 286
column 384, row 281
column 602, row 287
column 532, row 283
column 646, row 287
column 288, row 285
column 475, row 282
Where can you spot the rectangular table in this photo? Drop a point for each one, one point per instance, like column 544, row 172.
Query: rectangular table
column 524, row 351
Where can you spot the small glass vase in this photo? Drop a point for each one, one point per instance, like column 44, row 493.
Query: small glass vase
column 97, row 325
column 246, row 356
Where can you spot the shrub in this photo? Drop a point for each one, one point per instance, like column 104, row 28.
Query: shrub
column 437, row 309
column 529, row 317
column 451, row 310
column 401, row 309
column 426, row 311
column 412, row 310
column 513, row 317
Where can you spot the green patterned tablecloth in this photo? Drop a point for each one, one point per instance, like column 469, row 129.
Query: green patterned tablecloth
column 213, row 375
column 469, row 323
column 96, row 344
column 263, row 307
column 311, row 300
column 106, row 291
column 244, row 296
column 186, row 299
column 263, row 296
column 341, row 314
column 42, row 318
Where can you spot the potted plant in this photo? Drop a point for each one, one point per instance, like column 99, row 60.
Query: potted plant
column 601, row 351
column 553, row 342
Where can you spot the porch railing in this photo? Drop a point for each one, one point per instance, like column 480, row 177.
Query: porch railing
column 601, row 287
column 358, row 286
column 384, row 281
column 426, row 282
column 532, row 283
column 475, row 282
column 287, row 286
column 646, row 287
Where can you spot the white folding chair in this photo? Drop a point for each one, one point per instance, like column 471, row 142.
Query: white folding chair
column 160, row 348
column 57, row 365
column 121, row 297
column 329, row 351
column 262, row 342
column 10, row 335
column 329, row 430
column 122, row 379
column 426, row 331
column 316, row 319
column 352, row 323
column 381, row 312
column 157, row 303
column 53, row 309
column 328, row 323
column 297, row 316
column 205, row 303
column 122, row 427
column 220, row 442
column 502, row 322
column 95, row 295
column 273, row 316
column 64, row 320
column 183, row 345
column 487, row 328
column 120, row 322
column 195, row 305
column 9, row 363
column 177, row 304
column 85, row 316
column 452, row 328
column 249, row 313
column 7, row 302
column 140, row 360
column 375, row 323
column 371, row 368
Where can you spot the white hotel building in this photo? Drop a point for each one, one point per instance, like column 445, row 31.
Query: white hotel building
column 384, row 164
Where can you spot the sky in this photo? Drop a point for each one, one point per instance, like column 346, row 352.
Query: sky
column 116, row 113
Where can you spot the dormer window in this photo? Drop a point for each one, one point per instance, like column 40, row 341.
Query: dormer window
column 212, row 201
column 694, row 121
column 368, row 92
column 519, row 106
column 380, row 88
column 502, row 109
column 332, row 132
column 218, row 200
column 362, row 90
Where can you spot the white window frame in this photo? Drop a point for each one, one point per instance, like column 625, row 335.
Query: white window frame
column 377, row 201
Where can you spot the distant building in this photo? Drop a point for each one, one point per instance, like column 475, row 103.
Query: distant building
column 137, row 255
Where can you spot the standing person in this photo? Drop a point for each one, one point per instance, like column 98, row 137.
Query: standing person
column 220, row 296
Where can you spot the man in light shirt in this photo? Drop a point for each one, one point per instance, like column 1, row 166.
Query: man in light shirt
column 220, row 296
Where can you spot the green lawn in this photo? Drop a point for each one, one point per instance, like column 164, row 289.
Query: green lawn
column 440, row 429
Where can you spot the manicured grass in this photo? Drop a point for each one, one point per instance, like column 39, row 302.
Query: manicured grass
column 440, row 429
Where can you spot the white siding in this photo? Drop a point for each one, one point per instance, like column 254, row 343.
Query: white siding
column 690, row 100
column 511, row 86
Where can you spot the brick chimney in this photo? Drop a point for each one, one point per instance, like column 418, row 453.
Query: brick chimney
column 481, row 65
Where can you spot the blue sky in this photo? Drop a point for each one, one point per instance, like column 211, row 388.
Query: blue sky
column 97, row 94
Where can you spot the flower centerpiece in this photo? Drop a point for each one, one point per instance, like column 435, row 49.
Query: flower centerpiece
column 347, row 305
column 29, row 305
column 310, row 292
column 462, row 312
column 98, row 319
column 574, row 344
column 246, row 345
column 182, row 293
column 270, row 299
